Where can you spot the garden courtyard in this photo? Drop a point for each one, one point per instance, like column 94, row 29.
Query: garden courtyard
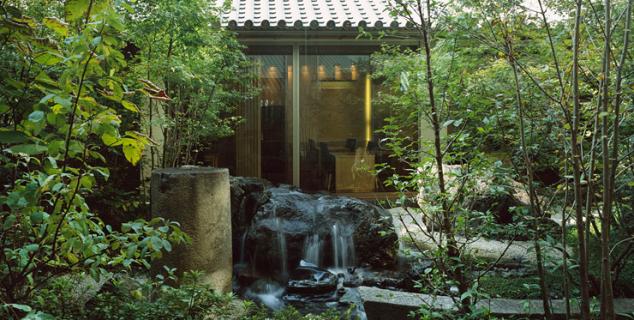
column 316, row 159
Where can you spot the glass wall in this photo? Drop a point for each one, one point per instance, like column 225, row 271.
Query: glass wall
column 337, row 121
column 338, row 145
column 264, row 139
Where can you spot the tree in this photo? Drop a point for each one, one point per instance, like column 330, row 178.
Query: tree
column 64, row 87
column 202, row 66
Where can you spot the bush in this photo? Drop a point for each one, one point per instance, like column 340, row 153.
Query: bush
column 139, row 297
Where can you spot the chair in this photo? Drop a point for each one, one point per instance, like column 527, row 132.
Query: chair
column 311, row 167
column 372, row 146
column 327, row 166
column 351, row 144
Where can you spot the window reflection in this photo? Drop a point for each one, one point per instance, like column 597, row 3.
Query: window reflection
column 338, row 145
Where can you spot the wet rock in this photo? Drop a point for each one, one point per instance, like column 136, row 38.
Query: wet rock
column 266, row 292
column 269, row 214
column 311, row 280
column 247, row 195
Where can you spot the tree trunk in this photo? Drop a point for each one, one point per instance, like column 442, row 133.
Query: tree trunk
column 534, row 202
column 576, row 171
column 607, row 298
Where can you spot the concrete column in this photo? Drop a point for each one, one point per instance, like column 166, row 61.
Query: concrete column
column 199, row 199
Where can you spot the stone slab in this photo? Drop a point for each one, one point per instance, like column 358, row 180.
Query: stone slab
column 382, row 304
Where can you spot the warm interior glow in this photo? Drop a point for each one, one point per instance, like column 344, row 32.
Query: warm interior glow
column 305, row 72
column 273, row 72
column 368, row 108
column 338, row 73
column 353, row 72
column 321, row 72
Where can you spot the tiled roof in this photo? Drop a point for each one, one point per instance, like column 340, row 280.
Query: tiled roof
column 310, row 14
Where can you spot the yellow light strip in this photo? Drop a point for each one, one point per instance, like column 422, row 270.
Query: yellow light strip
column 368, row 108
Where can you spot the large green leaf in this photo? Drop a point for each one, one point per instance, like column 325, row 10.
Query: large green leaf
column 132, row 150
column 36, row 116
column 29, row 149
column 48, row 58
column 75, row 9
column 10, row 137
column 58, row 26
column 130, row 106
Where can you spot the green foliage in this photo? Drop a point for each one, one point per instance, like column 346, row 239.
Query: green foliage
column 202, row 67
column 64, row 87
column 477, row 102
column 125, row 297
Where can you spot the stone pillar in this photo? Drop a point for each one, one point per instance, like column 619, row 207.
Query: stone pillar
column 199, row 199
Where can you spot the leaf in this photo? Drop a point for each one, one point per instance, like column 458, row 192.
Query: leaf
column 129, row 106
column 110, row 140
column 21, row 307
column 132, row 150
column 95, row 41
column 48, row 58
column 75, row 9
column 42, row 77
column 38, row 217
column 36, row 116
column 28, row 149
column 11, row 137
column 72, row 258
column 58, row 26
column 136, row 294
column 8, row 222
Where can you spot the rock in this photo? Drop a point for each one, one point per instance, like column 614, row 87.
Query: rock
column 311, row 280
column 381, row 304
column 197, row 198
column 247, row 195
column 269, row 215
column 488, row 193
column 266, row 292
column 498, row 204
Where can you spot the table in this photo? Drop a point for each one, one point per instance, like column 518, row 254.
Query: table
column 352, row 171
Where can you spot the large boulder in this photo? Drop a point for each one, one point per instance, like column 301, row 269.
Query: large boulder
column 274, row 225
column 487, row 192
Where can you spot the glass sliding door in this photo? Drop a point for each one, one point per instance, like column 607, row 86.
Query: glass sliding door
column 264, row 138
column 336, row 139
column 338, row 146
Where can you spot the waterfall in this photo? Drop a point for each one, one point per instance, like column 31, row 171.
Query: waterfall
column 342, row 246
column 281, row 241
column 281, row 238
column 243, row 241
column 312, row 249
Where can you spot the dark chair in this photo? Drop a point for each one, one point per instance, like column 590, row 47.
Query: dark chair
column 311, row 168
column 327, row 166
column 372, row 146
column 351, row 144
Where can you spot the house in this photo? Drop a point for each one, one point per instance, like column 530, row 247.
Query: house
column 313, row 124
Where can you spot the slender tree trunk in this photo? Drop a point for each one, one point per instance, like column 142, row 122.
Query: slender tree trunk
column 447, row 225
column 534, row 202
column 576, row 171
column 564, row 245
column 607, row 299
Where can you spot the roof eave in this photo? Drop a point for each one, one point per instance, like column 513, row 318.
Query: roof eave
column 379, row 35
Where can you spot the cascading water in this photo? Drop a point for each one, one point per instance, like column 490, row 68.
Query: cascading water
column 342, row 246
column 243, row 241
column 312, row 249
column 281, row 241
